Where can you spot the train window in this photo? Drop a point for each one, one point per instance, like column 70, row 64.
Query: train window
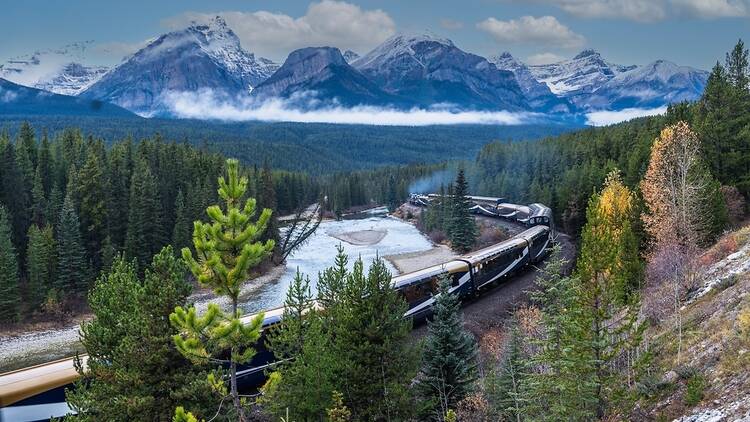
column 455, row 279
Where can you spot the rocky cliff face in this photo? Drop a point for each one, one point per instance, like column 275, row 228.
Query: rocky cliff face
column 537, row 93
column 321, row 76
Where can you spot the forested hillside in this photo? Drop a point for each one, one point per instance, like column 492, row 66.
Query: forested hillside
column 314, row 148
column 563, row 171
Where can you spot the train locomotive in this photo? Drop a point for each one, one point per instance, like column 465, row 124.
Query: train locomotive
column 37, row 393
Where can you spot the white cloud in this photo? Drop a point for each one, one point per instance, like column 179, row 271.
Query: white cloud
column 544, row 58
column 451, row 24
column 710, row 9
column 206, row 105
column 545, row 30
column 637, row 10
column 604, row 118
column 326, row 23
column 652, row 10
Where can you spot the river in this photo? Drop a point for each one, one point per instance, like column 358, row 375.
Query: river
column 367, row 237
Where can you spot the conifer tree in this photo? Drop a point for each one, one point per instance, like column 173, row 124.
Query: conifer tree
column 374, row 361
column 38, row 200
column 45, row 164
column 119, row 174
column 14, row 195
column 145, row 234
column 303, row 382
column 54, row 205
column 226, row 251
column 610, row 270
column 10, row 299
column 25, row 150
column 267, row 199
column 738, row 67
column 93, row 210
column 508, row 383
column 449, row 358
column 181, row 231
column 462, row 229
column 72, row 266
column 27, row 143
column 558, row 385
column 41, row 264
column 133, row 369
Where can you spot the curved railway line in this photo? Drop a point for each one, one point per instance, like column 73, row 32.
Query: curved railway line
column 38, row 392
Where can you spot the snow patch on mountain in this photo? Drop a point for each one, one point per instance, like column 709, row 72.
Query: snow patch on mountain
column 61, row 70
column 401, row 44
column 584, row 73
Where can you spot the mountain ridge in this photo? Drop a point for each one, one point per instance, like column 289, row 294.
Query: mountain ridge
column 406, row 71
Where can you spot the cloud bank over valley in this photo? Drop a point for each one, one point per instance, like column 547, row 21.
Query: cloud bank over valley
column 207, row 104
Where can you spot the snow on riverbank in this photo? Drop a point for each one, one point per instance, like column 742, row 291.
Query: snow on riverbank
column 365, row 238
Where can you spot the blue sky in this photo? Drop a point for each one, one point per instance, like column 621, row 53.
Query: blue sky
column 689, row 32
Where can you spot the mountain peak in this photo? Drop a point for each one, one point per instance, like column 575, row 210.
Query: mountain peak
column 589, row 52
column 202, row 55
column 350, row 56
column 323, row 56
column 216, row 24
column 411, row 38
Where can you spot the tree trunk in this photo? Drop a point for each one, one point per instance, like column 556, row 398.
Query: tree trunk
column 233, row 375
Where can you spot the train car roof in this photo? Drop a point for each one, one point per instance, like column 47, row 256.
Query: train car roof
column 409, row 278
column 28, row 382
column 492, row 199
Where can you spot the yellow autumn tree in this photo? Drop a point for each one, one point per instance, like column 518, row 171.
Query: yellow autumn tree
column 674, row 187
column 682, row 213
column 609, row 270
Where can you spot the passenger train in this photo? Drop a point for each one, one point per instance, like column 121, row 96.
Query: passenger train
column 38, row 392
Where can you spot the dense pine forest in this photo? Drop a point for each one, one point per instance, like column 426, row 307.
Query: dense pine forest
column 315, row 148
column 72, row 203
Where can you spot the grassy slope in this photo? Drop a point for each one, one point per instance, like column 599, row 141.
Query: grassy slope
column 712, row 381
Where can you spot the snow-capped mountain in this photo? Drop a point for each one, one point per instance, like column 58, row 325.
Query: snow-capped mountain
column 202, row 56
column 317, row 76
column 582, row 74
column 537, row 93
column 430, row 70
column 405, row 71
column 350, row 56
column 61, row 71
column 653, row 85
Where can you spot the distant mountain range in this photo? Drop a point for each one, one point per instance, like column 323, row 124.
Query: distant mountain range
column 21, row 100
column 406, row 71
column 60, row 71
